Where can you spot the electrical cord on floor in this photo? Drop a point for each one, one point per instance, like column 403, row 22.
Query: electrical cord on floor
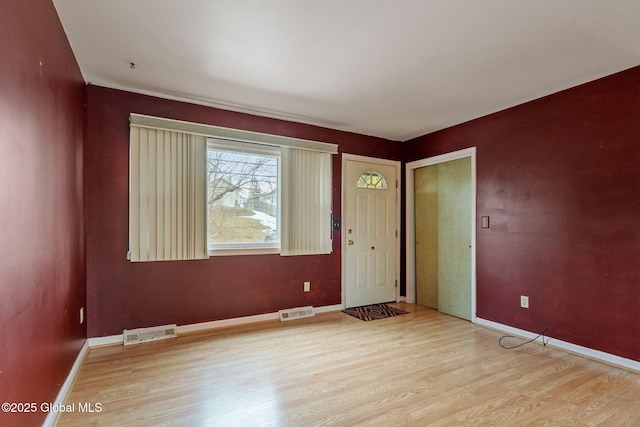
column 524, row 343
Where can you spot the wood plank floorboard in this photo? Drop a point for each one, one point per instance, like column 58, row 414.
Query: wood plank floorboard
column 419, row 369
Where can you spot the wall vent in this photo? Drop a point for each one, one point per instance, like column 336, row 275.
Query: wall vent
column 137, row 336
column 296, row 313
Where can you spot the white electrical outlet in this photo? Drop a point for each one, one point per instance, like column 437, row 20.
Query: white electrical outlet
column 524, row 301
column 307, row 286
column 81, row 315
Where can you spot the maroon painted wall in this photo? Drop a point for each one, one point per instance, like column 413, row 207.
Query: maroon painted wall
column 42, row 274
column 560, row 179
column 129, row 295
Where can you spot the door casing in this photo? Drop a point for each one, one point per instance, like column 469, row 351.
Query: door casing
column 374, row 160
column 410, row 220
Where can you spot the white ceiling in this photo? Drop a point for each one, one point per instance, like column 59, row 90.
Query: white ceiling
column 396, row 69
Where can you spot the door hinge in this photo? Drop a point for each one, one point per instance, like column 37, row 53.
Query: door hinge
column 396, row 183
column 396, row 233
column 396, row 283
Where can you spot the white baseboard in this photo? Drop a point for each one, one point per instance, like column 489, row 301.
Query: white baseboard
column 329, row 308
column 102, row 341
column 195, row 327
column 52, row 416
column 601, row 356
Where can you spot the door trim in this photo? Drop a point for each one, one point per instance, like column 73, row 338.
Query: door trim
column 379, row 161
column 410, row 220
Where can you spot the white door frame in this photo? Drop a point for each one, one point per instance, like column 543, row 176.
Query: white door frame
column 411, row 225
column 375, row 160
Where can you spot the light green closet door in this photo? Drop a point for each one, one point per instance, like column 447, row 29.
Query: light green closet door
column 454, row 238
column 426, row 205
column 443, row 237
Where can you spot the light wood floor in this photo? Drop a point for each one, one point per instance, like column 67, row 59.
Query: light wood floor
column 418, row 369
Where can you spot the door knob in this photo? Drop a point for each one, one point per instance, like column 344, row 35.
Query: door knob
column 350, row 242
column 373, row 248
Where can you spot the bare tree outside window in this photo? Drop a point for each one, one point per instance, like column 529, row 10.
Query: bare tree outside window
column 242, row 197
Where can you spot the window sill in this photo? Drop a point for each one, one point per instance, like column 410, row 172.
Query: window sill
column 248, row 251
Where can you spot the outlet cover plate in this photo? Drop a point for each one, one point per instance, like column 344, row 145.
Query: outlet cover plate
column 524, row 301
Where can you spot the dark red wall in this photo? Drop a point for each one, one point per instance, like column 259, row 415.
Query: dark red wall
column 129, row 295
column 42, row 274
column 560, row 179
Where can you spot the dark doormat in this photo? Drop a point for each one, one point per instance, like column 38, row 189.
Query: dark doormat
column 374, row 311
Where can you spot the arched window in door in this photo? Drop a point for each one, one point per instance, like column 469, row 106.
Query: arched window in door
column 372, row 180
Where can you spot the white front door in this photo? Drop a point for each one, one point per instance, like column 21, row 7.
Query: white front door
column 370, row 232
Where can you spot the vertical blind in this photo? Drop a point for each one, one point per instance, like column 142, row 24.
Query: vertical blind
column 306, row 202
column 167, row 195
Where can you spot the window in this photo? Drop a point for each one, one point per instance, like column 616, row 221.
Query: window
column 198, row 190
column 372, row 179
column 243, row 196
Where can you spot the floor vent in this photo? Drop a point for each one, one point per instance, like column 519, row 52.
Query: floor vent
column 137, row 336
column 296, row 313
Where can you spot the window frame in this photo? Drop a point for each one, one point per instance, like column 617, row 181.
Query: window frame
column 249, row 248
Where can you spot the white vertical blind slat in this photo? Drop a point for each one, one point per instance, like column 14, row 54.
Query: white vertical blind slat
column 134, row 190
column 160, row 196
column 174, row 196
column 154, row 137
column 166, row 223
column 191, row 211
column 143, row 173
column 181, row 199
